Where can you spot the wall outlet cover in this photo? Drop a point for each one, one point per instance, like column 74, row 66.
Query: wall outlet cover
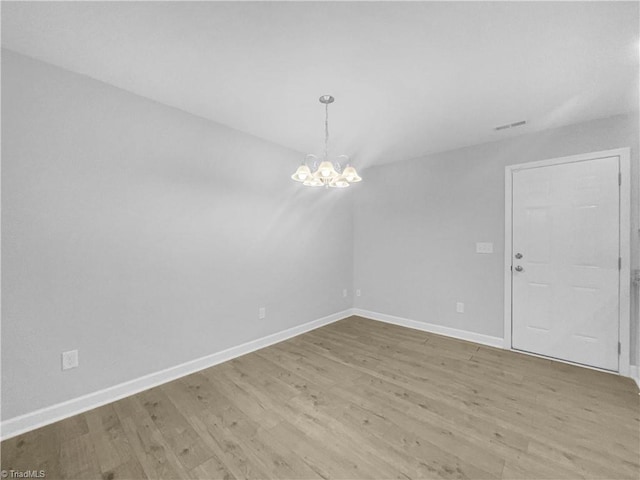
column 69, row 359
column 460, row 307
column 262, row 313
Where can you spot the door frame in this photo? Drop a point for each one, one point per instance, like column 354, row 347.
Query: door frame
column 624, row 296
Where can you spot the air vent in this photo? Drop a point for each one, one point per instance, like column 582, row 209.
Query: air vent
column 511, row 125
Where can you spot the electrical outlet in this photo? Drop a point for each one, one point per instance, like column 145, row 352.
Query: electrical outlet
column 262, row 313
column 460, row 307
column 358, row 292
column 344, row 293
column 69, row 359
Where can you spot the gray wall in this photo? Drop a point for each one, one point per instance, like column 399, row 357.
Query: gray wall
column 417, row 222
column 131, row 233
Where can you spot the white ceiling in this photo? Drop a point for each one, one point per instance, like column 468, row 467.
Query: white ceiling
column 409, row 78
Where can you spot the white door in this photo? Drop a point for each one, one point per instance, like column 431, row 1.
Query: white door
column 565, row 280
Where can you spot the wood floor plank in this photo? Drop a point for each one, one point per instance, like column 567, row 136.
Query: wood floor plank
column 175, row 429
column 78, row 458
column 156, row 458
column 224, row 444
column 323, row 457
column 212, row 468
column 109, row 440
column 356, row 399
column 36, row 450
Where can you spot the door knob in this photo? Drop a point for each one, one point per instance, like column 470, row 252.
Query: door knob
column 519, row 268
column 518, row 256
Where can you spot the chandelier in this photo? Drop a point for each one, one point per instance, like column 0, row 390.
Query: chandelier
column 315, row 173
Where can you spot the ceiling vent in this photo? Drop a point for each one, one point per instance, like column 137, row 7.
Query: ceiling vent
column 511, row 125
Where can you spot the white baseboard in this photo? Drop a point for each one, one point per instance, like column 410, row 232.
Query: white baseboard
column 45, row 416
column 634, row 372
column 497, row 342
column 39, row 418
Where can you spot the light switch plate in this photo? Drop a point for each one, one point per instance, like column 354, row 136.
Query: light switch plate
column 484, row 247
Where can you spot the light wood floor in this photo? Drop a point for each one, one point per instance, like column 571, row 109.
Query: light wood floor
column 355, row 399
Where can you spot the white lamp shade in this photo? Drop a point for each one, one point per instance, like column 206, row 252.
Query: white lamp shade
column 302, row 174
column 313, row 182
column 339, row 182
column 326, row 171
column 351, row 175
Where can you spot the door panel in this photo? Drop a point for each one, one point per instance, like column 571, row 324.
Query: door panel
column 566, row 226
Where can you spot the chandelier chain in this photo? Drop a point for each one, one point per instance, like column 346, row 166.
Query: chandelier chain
column 326, row 131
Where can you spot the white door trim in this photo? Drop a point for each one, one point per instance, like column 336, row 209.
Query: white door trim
column 624, row 320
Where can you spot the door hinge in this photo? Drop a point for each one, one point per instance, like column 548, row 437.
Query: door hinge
column 619, row 178
column 619, row 263
column 619, row 348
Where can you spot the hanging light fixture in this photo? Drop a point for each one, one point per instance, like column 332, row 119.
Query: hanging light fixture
column 314, row 172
